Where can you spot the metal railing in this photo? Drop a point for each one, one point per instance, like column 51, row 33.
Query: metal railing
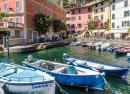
column 10, row 25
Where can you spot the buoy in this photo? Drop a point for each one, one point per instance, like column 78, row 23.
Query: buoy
column 69, row 44
column 123, row 77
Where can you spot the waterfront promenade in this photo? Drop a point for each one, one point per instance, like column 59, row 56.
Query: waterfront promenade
column 36, row 46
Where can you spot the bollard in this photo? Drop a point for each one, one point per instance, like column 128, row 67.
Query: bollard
column 7, row 44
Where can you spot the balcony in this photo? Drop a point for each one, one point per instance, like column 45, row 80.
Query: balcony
column 10, row 25
column 100, row 27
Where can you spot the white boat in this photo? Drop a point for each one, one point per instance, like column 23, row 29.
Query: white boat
column 103, row 46
column 75, row 43
column 96, row 44
column 18, row 79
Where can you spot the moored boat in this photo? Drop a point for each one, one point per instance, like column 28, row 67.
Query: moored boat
column 84, row 45
column 69, row 75
column 96, row 44
column 75, row 43
column 111, row 49
column 101, row 67
column 122, row 50
column 18, row 79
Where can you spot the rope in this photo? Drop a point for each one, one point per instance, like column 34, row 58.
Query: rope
column 61, row 89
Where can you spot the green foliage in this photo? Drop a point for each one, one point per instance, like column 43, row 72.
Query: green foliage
column 3, row 15
column 65, row 3
column 42, row 23
column 58, row 25
column 108, row 25
column 60, row 35
column 90, row 25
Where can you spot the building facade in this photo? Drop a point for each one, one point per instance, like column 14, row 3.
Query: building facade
column 20, row 22
column 79, row 18
column 101, row 11
column 120, row 18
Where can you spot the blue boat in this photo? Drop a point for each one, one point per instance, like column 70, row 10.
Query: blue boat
column 101, row 67
column 84, row 45
column 111, row 49
column 18, row 79
column 68, row 75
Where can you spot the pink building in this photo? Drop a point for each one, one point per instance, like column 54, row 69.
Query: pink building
column 79, row 18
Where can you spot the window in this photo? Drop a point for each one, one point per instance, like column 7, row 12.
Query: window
column 60, row 11
column 11, row 19
column 113, row 16
column 113, row 25
column 42, row 10
column 101, row 17
column 51, row 6
column 73, row 26
column 68, row 25
column 101, row 3
column 89, row 9
column 72, row 12
column 96, row 5
column 102, row 9
column 95, row 11
column 79, row 17
column 4, row 19
column 51, row 15
column 41, row 1
column 126, row 13
column 96, row 18
column 34, row 22
column 57, row 16
column 125, row 3
column 80, row 25
column 125, row 23
column 113, row 1
column 68, row 19
column 47, row 13
column 5, row 7
column 34, row 8
column 57, row 9
column 113, row 7
column 17, row 6
column 79, row 11
column 72, row 18
column 89, row 16
column 48, row 3
column 61, row 18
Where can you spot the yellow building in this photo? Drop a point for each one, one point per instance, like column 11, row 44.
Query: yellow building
column 101, row 10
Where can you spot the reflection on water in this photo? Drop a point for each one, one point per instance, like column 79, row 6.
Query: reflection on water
column 121, row 86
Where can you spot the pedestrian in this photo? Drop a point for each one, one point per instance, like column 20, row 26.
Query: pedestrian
column 42, row 38
column 37, row 38
column 113, row 37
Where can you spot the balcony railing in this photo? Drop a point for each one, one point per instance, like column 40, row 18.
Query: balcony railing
column 100, row 27
column 10, row 25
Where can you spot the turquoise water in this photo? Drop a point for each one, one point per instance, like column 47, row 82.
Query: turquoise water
column 121, row 86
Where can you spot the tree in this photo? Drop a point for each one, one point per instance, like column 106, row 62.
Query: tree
column 42, row 23
column 58, row 25
column 3, row 15
column 90, row 25
column 65, row 3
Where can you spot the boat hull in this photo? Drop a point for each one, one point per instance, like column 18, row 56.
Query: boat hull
column 37, row 87
column 120, row 53
column 88, row 81
column 122, row 72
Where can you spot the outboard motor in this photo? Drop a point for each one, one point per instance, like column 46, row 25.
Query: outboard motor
column 65, row 55
column 30, row 58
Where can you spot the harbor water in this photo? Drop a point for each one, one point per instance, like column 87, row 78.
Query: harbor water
column 121, row 86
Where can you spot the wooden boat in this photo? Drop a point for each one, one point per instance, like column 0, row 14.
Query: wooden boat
column 18, row 79
column 102, row 67
column 122, row 50
column 69, row 75
column 75, row 43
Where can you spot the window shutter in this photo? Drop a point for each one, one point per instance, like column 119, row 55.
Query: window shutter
column 122, row 24
column 128, row 13
column 127, row 23
column 124, row 13
column 113, row 25
column 126, row 3
column 113, row 7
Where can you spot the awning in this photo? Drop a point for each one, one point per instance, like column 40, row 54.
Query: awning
column 94, row 31
column 106, row 32
column 119, row 31
column 100, row 31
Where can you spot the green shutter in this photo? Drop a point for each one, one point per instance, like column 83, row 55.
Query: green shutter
column 124, row 13
column 113, row 25
column 113, row 7
column 127, row 23
column 113, row 16
column 122, row 24
column 128, row 13
column 126, row 3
